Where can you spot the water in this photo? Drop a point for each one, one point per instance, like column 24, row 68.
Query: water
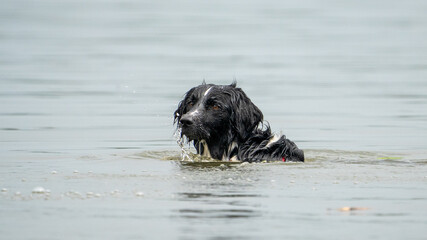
column 88, row 89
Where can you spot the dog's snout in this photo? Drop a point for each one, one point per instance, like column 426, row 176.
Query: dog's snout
column 186, row 120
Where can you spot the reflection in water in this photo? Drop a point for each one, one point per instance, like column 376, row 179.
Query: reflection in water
column 222, row 205
column 219, row 213
column 218, row 190
column 188, row 196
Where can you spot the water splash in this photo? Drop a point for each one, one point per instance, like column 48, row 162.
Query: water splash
column 185, row 152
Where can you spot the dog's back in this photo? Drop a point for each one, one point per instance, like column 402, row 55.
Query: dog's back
column 265, row 146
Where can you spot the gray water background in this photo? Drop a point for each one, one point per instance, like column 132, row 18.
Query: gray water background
column 88, row 88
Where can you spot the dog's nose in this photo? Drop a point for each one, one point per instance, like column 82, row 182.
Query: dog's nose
column 186, row 120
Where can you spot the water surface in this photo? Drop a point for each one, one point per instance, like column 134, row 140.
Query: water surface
column 88, row 88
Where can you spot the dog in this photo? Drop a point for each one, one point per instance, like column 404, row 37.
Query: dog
column 224, row 124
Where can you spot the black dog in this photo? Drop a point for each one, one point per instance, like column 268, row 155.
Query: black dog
column 224, row 124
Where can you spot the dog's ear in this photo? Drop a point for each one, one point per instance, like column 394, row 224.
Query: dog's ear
column 181, row 107
column 245, row 116
column 178, row 112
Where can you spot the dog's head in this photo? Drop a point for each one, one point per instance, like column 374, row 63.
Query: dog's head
column 213, row 111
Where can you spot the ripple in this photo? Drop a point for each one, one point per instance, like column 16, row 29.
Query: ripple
column 218, row 213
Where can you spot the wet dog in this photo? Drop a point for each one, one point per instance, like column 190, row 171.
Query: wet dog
column 223, row 123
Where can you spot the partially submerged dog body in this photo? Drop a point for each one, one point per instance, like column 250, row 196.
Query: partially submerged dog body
column 224, row 124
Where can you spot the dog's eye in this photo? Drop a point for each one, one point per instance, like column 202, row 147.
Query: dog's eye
column 216, row 107
column 192, row 102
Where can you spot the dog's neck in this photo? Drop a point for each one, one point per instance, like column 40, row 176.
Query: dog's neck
column 217, row 149
column 203, row 149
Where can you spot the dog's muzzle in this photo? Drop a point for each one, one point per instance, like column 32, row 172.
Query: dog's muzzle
column 188, row 126
column 186, row 120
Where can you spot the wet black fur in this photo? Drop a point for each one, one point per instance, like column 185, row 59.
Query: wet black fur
column 226, row 116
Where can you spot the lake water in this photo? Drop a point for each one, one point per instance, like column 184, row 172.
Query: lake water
column 88, row 88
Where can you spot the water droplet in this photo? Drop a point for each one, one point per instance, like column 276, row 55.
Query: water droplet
column 38, row 190
column 139, row 194
column 185, row 153
column 114, row 192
